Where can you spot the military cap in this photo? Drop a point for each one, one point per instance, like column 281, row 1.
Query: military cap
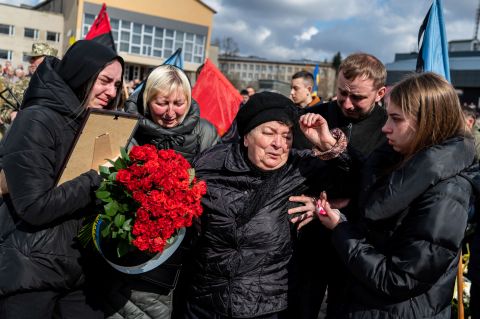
column 42, row 49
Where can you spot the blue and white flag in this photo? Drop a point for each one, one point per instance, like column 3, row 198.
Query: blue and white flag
column 433, row 53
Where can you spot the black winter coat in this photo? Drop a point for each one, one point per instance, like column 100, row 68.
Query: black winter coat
column 241, row 267
column 364, row 134
column 191, row 137
column 39, row 222
column 403, row 254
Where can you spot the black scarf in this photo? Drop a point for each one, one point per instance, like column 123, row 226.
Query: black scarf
column 262, row 192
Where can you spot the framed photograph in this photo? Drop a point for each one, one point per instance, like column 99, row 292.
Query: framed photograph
column 100, row 137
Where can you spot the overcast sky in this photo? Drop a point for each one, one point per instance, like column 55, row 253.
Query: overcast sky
column 317, row 29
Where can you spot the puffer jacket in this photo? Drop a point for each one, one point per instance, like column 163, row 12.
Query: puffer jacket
column 39, row 222
column 403, row 254
column 191, row 137
column 240, row 268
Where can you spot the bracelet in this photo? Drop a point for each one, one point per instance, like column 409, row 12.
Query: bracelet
column 338, row 148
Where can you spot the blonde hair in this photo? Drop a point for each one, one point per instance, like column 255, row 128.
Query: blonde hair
column 167, row 79
column 430, row 100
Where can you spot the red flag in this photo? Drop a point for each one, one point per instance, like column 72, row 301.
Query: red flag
column 101, row 31
column 216, row 96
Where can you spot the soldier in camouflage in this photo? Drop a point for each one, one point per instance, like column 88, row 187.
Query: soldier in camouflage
column 12, row 93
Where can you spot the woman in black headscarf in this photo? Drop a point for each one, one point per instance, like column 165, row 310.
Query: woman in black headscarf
column 40, row 264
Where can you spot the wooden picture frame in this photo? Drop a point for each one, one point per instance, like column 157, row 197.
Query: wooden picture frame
column 100, row 137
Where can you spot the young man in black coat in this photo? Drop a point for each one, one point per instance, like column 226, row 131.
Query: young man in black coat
column 358, row 113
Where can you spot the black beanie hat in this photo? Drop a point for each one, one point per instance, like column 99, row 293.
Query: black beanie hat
column 265, row 107
column 83, row 60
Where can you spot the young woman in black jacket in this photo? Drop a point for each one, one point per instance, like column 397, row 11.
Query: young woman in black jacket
column 41, row 267
column 402, row 255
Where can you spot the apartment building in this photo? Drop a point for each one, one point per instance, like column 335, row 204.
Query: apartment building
column 244, row 71
column 20, row 27
column 146, row 32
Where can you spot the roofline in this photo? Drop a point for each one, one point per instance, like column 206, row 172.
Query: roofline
column 263, row 60
column 207, row 6
column 41, row 4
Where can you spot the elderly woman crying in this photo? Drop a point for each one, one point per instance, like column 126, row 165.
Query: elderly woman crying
column 242, row 256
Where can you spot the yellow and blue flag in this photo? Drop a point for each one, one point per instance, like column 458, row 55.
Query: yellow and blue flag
column 316, row 79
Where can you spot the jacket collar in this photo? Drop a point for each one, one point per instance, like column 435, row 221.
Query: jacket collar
column 235, row 159
column 423, row 170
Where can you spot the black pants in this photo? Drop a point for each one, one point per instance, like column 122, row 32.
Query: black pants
column 48, row 304
column 309, row 271
column 475, row 301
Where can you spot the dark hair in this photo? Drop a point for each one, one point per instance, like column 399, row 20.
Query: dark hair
column 83, row 91
column 468, row 111
column 307, row 76
column 244, row 92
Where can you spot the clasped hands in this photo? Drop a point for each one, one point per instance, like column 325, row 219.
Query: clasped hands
column 326, row 211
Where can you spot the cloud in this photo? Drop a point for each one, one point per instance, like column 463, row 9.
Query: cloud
column 307, row 34
column 317, row 29
column 19, row 2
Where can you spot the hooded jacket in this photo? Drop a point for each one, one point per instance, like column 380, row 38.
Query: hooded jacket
column 403, row 254
column 39, row 221
column 189, row 138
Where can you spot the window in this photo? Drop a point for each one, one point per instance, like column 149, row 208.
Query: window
column 168, row 43
column 188, row 47
column 7, row 29
column 158, row 42
column 25, row 57
column 149, row 40
column 115, row 24
column 199, row 48
column 5, row 54
column 31, row 33
column 53, row 36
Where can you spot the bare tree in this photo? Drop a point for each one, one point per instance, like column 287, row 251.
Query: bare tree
column 227, row 45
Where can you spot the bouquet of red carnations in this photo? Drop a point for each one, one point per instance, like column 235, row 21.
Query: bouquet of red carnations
column 148, row 196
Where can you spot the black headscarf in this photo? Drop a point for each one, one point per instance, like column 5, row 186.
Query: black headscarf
column 84, row 59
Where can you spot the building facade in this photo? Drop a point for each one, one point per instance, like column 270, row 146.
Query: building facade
column 253, row 71
column 464, row 60
column 145, row 32
column 20, row 27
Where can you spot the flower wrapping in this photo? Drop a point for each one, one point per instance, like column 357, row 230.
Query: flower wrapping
column 148, row 195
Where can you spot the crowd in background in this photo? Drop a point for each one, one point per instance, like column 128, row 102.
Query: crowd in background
column 366, row 196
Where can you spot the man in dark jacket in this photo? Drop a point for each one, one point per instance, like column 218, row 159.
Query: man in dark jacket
column 358, row 113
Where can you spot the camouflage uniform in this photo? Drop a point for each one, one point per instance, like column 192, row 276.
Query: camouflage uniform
column 14, row 96
column 42, row 49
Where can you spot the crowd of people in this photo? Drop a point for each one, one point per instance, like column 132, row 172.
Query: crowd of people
column 365, row 197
